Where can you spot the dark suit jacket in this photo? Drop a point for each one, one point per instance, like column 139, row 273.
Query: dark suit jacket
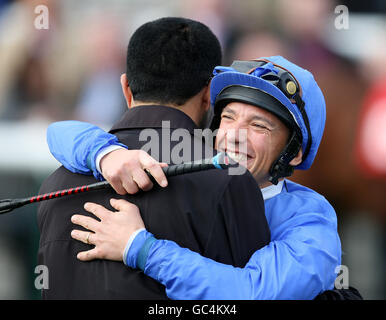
column 221, row 216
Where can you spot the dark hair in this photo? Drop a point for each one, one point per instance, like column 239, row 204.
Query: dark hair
column 170, row 60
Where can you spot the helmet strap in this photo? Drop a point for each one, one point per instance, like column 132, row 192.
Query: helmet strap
column 301, row 106
column 281, row 167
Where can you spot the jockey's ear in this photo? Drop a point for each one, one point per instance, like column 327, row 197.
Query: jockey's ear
column 298, row 159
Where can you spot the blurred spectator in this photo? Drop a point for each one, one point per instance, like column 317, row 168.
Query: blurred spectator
column 223, row 17
column 3, row 4
column 303, row 23
column 371, row 137
column 24, row 52
column 260, row 44
column 101, row 101
column 212, row 13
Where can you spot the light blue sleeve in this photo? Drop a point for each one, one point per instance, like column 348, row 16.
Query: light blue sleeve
column 299, row 266
column 76, row 144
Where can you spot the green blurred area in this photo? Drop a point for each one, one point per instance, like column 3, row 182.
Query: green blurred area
column 19, row 239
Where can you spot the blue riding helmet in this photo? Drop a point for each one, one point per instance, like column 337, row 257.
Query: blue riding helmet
column 284, row 89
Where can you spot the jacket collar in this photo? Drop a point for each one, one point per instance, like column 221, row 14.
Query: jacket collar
column 152, row 116
column 273, row 190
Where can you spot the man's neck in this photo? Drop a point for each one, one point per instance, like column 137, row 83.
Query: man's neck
column 188, row 108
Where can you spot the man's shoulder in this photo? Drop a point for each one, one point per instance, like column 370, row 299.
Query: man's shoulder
column 297, row 205
column 297, row 190
column 301, row 199
column 62, row 178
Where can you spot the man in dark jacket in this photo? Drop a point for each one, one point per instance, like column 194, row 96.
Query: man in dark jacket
column 169, row 64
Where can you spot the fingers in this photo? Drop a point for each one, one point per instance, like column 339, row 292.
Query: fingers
column 139, row 179
column 130, row 213
column 122, row 182
column 154, row 168
column 111, row 233
column 88, row 238
column 128, row 184
column 120, row 186
column 117, row 167
column 125, row 171
column 123, row 205
column 96, row 209
column 84, row 221
column 83, row 236
column 89, row 255
column 142, row 180
column 88, row 222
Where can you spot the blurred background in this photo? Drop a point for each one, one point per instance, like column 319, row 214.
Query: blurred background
column 71, row 71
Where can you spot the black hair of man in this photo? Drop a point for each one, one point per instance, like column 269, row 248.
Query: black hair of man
column 170, row 60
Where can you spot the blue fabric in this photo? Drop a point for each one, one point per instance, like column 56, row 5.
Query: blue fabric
column 144, row 252
column 76, row 144
column 312, row 96
column 136, row 247
column 299, row 262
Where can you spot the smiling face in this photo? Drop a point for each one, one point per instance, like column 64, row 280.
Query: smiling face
column 253, row 137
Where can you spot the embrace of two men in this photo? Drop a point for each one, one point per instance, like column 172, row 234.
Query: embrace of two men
column 202, row 235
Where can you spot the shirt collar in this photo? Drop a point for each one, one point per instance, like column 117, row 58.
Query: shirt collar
column 273, row 190
column 152, row 116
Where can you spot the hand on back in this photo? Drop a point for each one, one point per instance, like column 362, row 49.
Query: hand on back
column 125, row 170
